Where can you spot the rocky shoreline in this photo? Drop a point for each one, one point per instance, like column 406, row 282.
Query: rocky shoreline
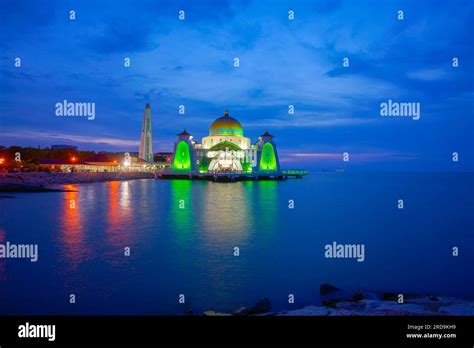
column 337, row 302
column 42, row 182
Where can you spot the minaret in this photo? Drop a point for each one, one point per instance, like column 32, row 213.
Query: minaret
column 146, row 147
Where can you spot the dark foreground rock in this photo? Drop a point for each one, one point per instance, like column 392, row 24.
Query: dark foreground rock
column 263, row 306
column 338, row 302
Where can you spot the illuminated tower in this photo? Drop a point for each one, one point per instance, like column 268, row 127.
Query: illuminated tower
column 146, row 147
column 183, row 155
column 267, row 154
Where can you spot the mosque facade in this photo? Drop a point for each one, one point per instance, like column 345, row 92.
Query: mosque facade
column 225, row 150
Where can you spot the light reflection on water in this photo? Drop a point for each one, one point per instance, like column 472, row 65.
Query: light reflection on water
column 72, row 229
column 189, row 248
column 119, row 232
column 3, row 275
column 226, row 215
column 181, row 207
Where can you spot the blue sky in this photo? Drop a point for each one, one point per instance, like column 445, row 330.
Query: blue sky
column 282, row 62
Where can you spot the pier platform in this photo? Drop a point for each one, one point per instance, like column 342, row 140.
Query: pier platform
column 234, row 176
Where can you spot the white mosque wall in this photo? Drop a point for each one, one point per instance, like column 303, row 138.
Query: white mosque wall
column 210, row 141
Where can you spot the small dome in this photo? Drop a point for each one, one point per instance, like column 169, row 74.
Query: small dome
column 226, row 125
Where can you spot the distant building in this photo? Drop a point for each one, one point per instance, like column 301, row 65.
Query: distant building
column 146, row 146
column 97, row 164
column 63, row 147
column 163, row 157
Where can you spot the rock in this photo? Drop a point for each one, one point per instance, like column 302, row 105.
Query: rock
column 39, row 181
column 337, row 302
column 268, row 314
column 350, row 312
column 241, row 311
column 262, row 306
column 457, row 309
column 188, row 311
column 389, row 296
column 331, row 296
column 332, row 302
column 215, row 314
column 307, row 311
column 371, row 304
column 358, row 296
column 326, row 289
column 350, row 305
column 370, row 295
column 391, row 308
column 446, row 301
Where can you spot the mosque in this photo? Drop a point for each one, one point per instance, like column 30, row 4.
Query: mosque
column 225, row 150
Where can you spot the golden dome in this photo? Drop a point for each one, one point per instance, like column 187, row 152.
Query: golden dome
column 226, row 125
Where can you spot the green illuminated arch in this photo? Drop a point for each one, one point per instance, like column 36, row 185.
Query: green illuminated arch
column 268, row 161
column 182, row 157
column 204, row 164
column 225, row 144
column 247, row 167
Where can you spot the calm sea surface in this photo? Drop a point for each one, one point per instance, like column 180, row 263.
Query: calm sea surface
column 190, row 251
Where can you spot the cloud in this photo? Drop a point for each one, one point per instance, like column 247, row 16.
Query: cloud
column 357, row 156
column 319, row 155
column 118, row 35
column 308, row 122
column 137, row 26
column 81, row 139
column 428, row 74
column 282, row 62
column 326, row 6
column 15, row 14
